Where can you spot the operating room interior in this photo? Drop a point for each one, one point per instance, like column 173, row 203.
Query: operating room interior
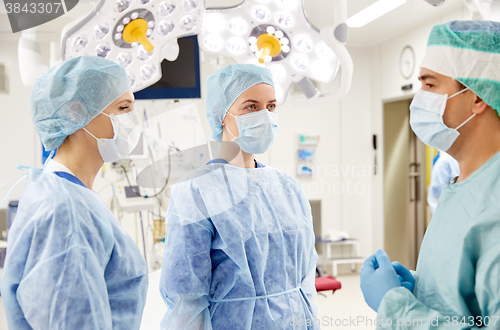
column 363, row 170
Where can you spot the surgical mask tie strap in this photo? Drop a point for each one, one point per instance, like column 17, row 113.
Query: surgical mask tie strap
column 102, row 113
column 465, row 122
column 90, row 134
column 51, row 154
column 228, row 128
column 230, row 132
column 458, row 93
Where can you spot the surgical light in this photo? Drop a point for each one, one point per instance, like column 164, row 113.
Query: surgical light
column 236, row 45
column 188, row 23
column 261, row 13
column 279, row 73
column 300, row 62
column 166, row 8
column 121, row 5
column 214, row 22
column 147, row 71
column 124, row 59
column 288, row 4
column 324, row 52
column 213, row 42
column 143, row 54
column 284, row 19
column 303, row 43
column 373, row 12
column 189, row 5
column 101, row 31
column 103, row 50
column 165, row 28
column 238, row 26
column 275, row 34
column 131, row 78
column 136, row 34
column 79, row 43
column 322, row 70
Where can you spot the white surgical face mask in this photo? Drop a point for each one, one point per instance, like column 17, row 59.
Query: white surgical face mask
column 257, row 131
column 426, row 120
column 127, row 130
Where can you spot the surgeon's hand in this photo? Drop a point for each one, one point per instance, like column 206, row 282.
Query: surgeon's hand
column 377, row 278
column 405, row 277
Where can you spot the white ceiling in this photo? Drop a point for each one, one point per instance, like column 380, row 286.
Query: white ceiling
column 400, row 20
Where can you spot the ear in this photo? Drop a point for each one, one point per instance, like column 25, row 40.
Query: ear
column 479, row 106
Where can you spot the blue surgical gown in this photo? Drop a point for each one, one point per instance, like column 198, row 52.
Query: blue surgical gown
column 458, row 270
column 239, row 252
column 70, row 264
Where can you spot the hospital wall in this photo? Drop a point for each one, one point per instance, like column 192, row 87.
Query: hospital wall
column 18, row 139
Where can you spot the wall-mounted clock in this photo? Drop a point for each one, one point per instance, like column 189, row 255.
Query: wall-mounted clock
column 407, row 62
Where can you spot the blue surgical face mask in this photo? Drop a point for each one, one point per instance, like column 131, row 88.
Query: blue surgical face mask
column 426, row 120
column 257, row 131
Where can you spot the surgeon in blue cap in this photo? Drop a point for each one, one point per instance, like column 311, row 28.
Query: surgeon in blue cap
column 239, row 246
column 70, row 264
column 456, row 284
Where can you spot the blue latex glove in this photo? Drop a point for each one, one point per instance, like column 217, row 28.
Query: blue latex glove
column 405, row 277
column 377, row 278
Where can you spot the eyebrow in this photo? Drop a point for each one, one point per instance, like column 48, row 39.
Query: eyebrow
column 126, row 101
column 254, row 101
column 426, row 76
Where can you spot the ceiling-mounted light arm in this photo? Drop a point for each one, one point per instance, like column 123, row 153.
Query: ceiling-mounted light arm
column 31, row 64
column 306, row 86
column 336, row 37
column 480, row 9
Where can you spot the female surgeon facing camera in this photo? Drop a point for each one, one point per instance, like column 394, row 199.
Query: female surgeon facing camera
column 70, row 264
column 239, row 248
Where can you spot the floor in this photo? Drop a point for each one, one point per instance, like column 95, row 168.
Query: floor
column 345, row 309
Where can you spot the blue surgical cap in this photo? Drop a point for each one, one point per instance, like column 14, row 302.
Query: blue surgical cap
column 468, row 51
column 71, row 94
column 225, row 85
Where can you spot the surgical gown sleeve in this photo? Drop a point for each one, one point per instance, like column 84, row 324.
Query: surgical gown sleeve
column 309, row 281
column 55, row 275
column 400, row 305
column 187, row 269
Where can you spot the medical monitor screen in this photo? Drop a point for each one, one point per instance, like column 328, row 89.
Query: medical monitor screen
column 132, row 192
column 181, row 78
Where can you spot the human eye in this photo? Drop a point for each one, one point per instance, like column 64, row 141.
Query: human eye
column 251, row 107
column 271, row 107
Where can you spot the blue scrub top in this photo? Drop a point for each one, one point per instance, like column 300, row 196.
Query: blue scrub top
column 70, row 178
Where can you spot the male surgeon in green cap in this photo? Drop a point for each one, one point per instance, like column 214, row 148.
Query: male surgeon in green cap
column 457, row 281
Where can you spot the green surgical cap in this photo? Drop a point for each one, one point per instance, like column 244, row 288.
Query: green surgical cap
column 468, row 51
column 67, row 97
